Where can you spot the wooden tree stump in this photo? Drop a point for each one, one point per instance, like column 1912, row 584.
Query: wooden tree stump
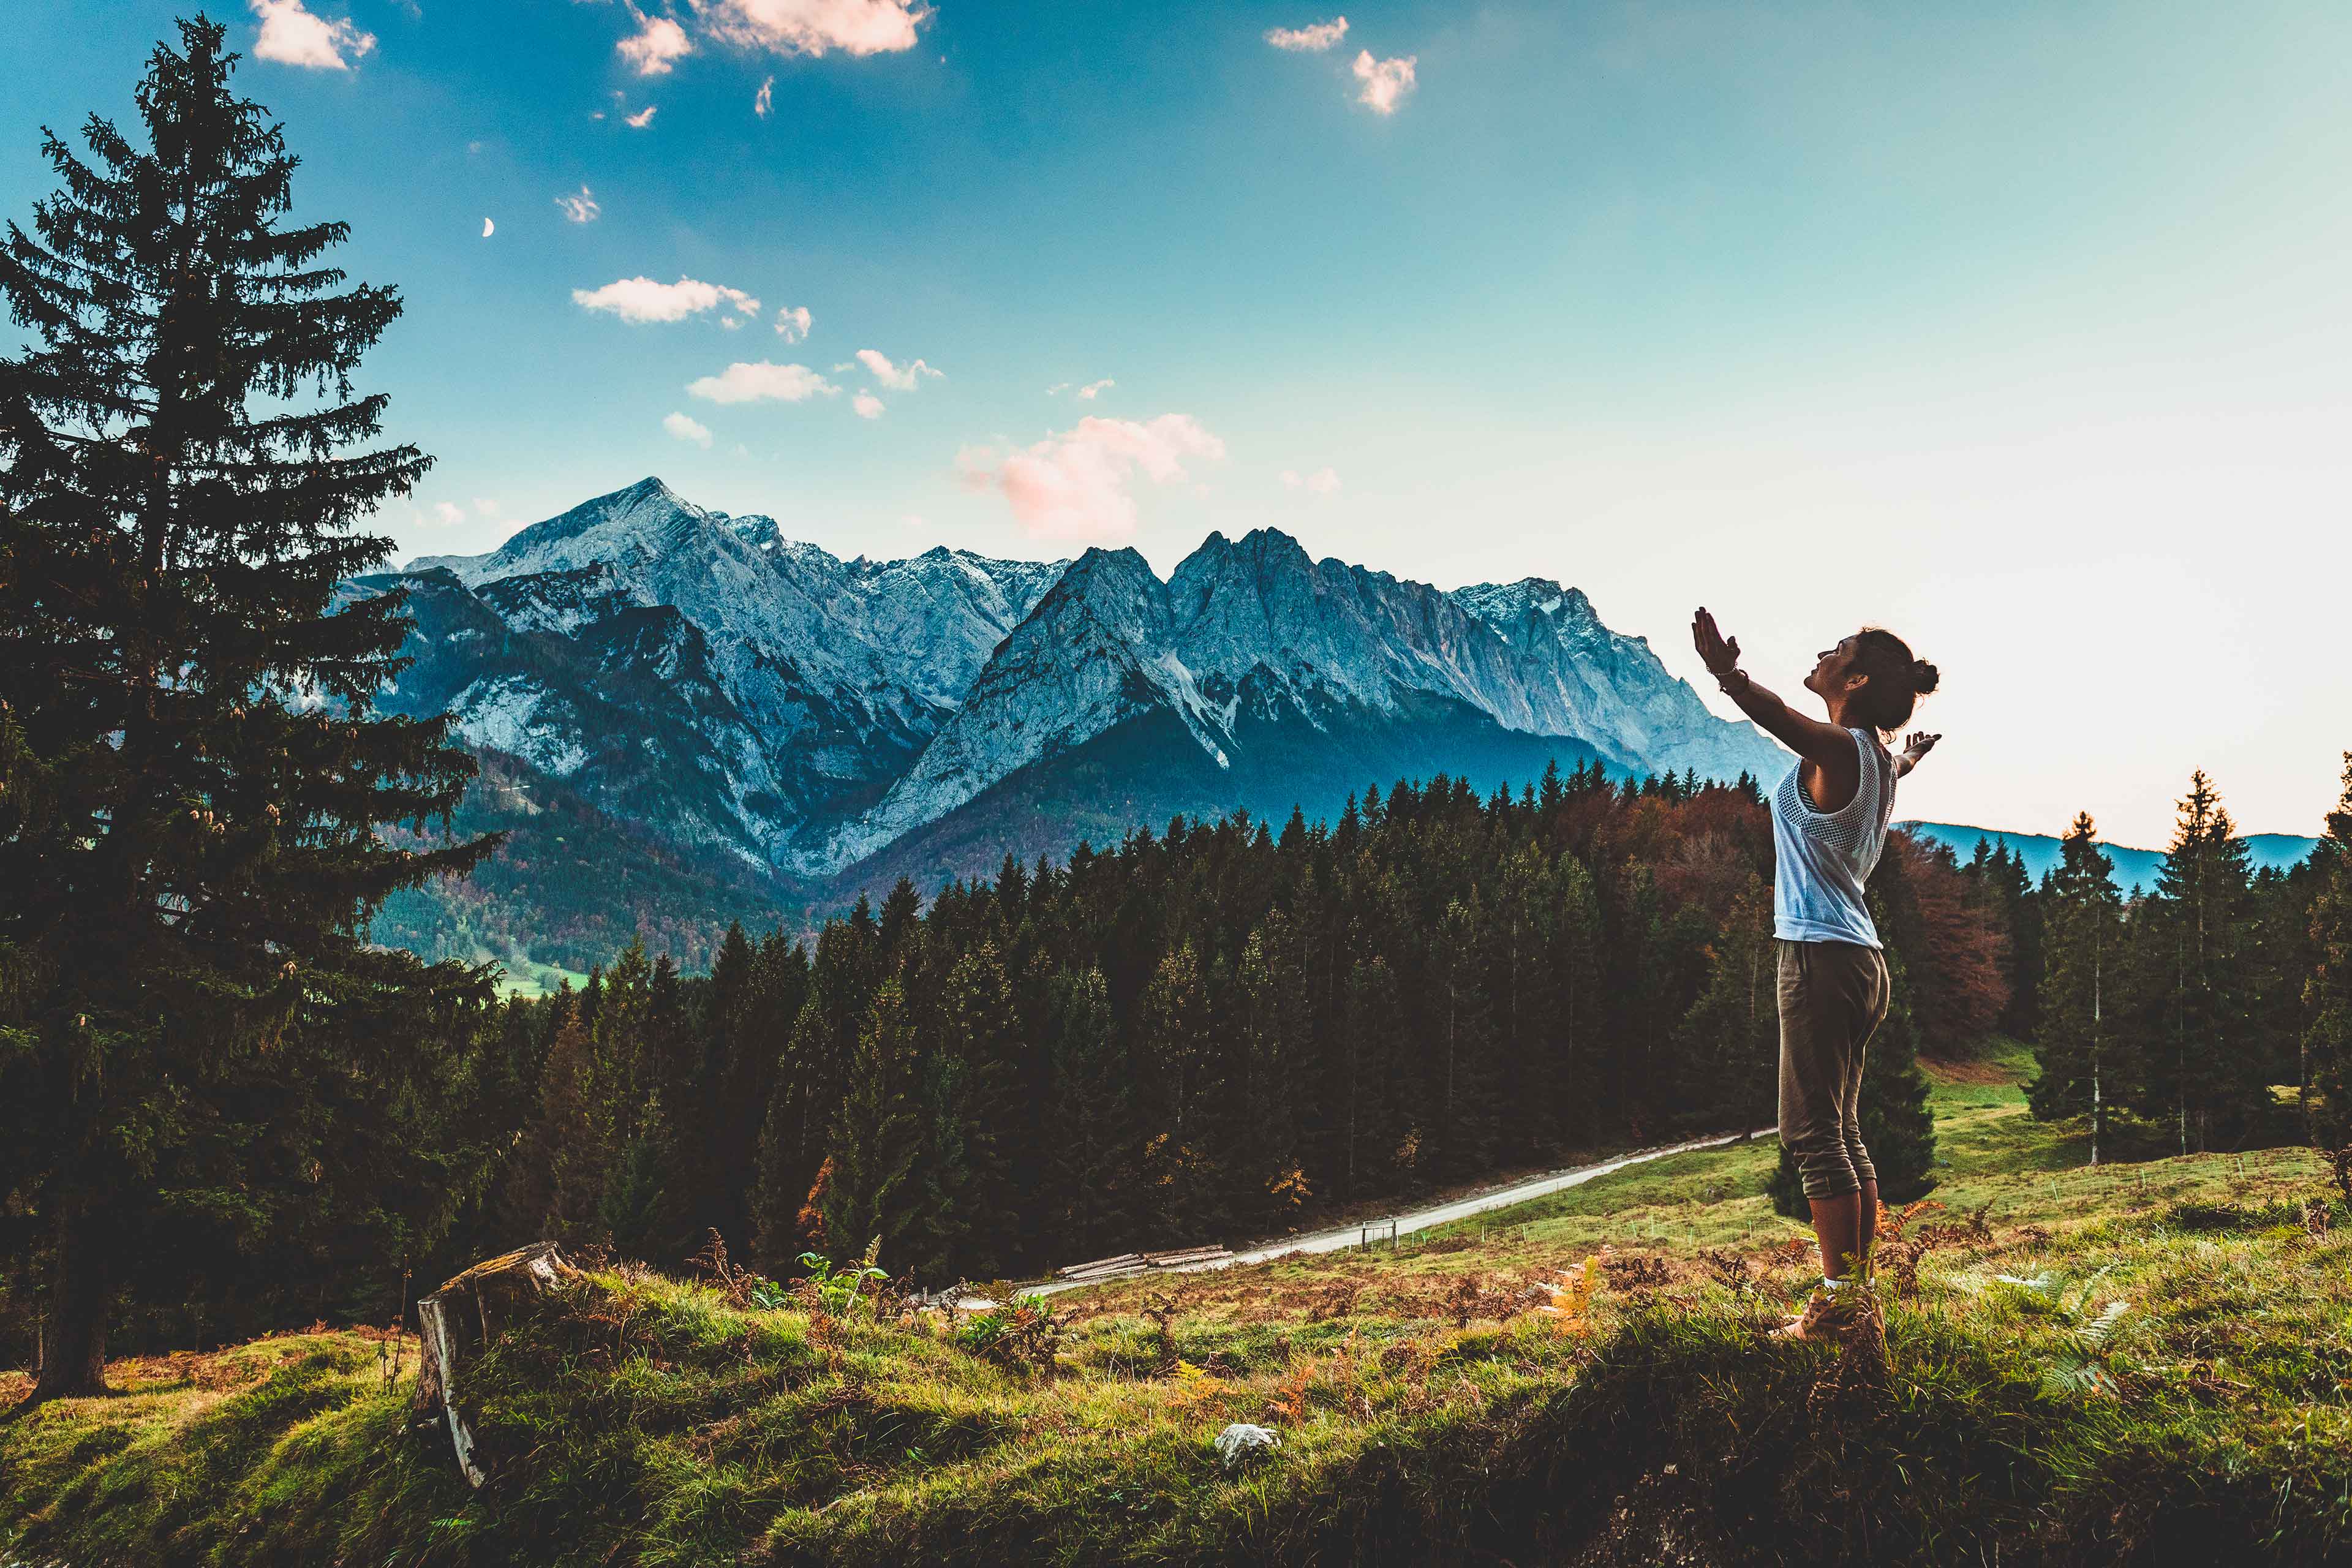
column 471, row 1311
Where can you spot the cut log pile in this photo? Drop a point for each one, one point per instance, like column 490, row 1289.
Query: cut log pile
column 1127, row 1264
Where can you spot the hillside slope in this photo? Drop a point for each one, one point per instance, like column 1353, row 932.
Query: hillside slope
column 1425, row 1413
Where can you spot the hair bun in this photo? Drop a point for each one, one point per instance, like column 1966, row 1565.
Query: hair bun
column 1923, row 677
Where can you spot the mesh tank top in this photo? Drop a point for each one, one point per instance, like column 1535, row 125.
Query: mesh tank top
column 1822, row 858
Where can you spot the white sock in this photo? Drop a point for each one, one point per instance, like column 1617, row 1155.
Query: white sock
column 1829, row 1284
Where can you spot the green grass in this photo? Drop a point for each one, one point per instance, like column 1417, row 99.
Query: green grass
column 1425, row 1414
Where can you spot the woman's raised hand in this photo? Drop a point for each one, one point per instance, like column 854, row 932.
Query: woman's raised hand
column 1718, row 652
column 1918, row 742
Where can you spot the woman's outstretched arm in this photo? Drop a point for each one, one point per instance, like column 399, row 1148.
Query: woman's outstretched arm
column 1916, row 747
column 1824, row 745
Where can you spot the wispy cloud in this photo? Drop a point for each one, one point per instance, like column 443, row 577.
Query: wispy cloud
column 765, row 101
column 1386, row 82
column 762, row 382
column 1308, row 40
column 581, row 208
column 642, row 119
column 687, row 429
column 869, row 407
column 291, row 35
column 449, row 512
column 1094, row 389
column 657, row 45
column 812, row 27
column 640, row 301
column 898, row 378
column 485, row 507
column 1076, row 485
column 793, row 322
column 1321, row 482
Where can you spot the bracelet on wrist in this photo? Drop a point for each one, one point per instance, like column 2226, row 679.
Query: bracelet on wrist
column 1729, row 680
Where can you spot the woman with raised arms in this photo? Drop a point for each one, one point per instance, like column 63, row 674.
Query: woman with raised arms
column 1830, row 816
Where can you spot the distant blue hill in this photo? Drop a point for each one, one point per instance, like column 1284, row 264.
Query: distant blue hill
column 2133, row 868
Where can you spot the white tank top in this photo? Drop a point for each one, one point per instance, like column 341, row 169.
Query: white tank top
column 1822, row 858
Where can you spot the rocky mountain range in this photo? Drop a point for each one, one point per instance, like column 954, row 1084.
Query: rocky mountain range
column 716, row 689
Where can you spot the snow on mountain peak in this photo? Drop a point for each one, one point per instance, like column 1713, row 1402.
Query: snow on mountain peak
column 837, row 706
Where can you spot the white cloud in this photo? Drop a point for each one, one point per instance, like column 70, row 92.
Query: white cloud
column 741, row 383
column 687, row 429
column 812, row 27
column 869, row 407
column 1076, row 485
column 1307, row 40
column 1321, row 482
column 898, row 378
column 485, row 507
column 1058, row 388
column 449, row 512
column 638, row 300
column 1386, row 82
column 488, row 228
column 581, row 208
column 642, row 119
column 292, row 36
column 656, row 46
column 766, row 100
column 793, row 322
column 1094, row 389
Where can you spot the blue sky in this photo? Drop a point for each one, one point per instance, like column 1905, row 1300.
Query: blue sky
column 2019, row 328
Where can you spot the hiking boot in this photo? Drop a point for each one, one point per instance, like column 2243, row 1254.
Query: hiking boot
column 1829, row 1315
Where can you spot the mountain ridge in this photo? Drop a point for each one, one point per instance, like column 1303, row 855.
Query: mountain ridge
column 702, row 677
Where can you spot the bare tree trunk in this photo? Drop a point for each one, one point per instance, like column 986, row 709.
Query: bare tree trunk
column 73, row 1333
column 460, row 1320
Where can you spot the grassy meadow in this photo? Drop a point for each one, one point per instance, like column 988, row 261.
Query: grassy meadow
column 2146, row 1362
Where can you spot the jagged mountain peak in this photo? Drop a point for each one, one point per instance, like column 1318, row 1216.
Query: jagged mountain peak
column 834, row 707
column 643, row 520
column 1508, row 606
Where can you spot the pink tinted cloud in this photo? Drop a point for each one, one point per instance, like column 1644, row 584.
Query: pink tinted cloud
column 1308, row 40
column 812, row 27
column 1077, row 485
column 640, row 301
column 1386, row 82
column 897, row 377
column 657, row 45
column 291, row 35
column 762, row 382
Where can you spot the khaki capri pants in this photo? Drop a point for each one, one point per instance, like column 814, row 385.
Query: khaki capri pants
column 1833, row 997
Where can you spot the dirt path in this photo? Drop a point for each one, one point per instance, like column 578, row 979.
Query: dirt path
column 1405, row 1222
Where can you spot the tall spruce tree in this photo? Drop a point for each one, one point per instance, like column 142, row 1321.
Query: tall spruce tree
column 189, row 835
column 2328, row 996
column 2081, row 919
column 869, row 1198
column 2203, row 1069
column 1090, row 1126
column 1730, row 1049
column 1278, row 1025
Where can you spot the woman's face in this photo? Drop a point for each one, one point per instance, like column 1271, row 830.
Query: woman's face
column 1830, row 670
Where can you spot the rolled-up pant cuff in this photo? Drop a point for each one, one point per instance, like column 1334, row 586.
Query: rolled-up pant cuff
column 1831, row 1176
